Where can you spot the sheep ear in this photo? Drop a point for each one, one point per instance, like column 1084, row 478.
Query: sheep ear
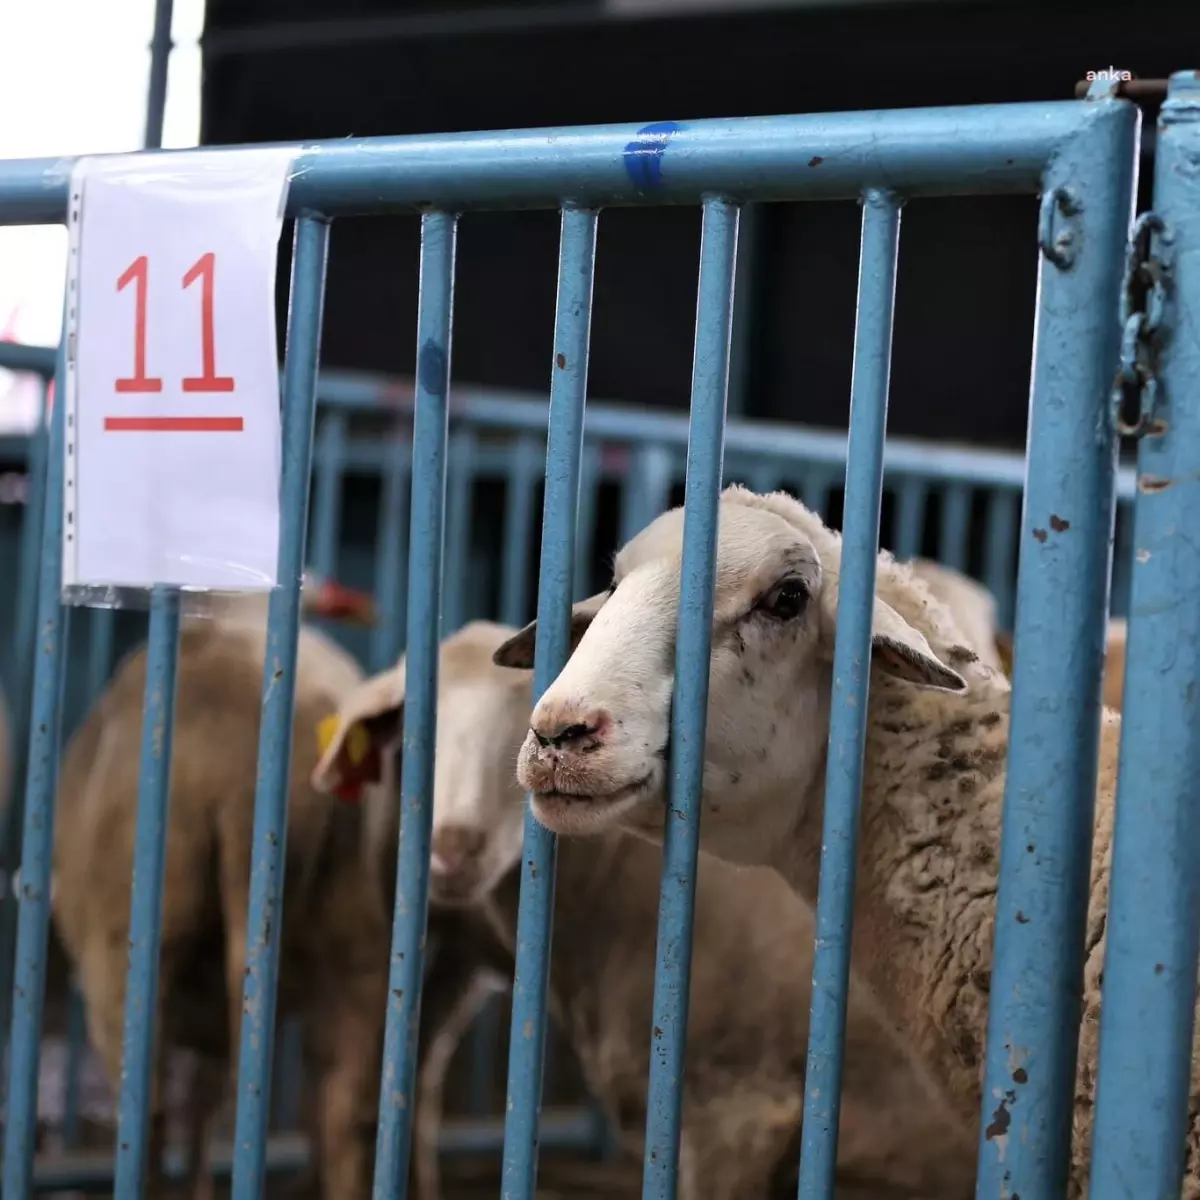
column 518, row 651
column 897, row 649
column 1004, row 651
column 353, row 741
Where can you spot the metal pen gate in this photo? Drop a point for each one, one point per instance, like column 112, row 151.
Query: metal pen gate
column 1080, row 157
column 364, row 431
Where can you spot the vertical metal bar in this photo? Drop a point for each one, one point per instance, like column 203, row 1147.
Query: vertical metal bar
column 330, row 453
column 37, row 841
column 851, row 679
column 434, row 327
column 1062, row 602
column 954, row 519
column 278, row 704
column 764, row 477
column 647, row 489
column 535, row 913
column 160, row 60
column 745, row 317
column 145, row 906
column 101, row 636
column 387, row 641
column 27, row 586
column 910, row 518
column 816, row 492
column 289, row 1074
column 999, row 538
column 76, row 1045
column 482, row 1042
column 458, row 529
column 585, row 518
column 706, row 446
column 23, row 659
column 523, row 469
column 102, row 626
column 1153, row 928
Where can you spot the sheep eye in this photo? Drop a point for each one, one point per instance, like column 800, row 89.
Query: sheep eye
column 785, row 601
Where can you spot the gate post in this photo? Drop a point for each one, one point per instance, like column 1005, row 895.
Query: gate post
column 1065, row 540
column 1154, row 903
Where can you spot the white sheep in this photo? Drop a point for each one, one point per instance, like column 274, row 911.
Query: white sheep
column 752, row 963
column 972, row 606
column 334, row 923
column 937, row 740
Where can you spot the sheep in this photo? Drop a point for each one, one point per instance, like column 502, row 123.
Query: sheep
column 334, row 931
column 743, row 1089
column 970, row 603
column 936, row 748
column 973, row 608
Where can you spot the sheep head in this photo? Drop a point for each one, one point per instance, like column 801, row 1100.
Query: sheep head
column 596, row 752
column 482, row 716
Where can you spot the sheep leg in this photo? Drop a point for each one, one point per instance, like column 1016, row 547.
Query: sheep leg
column 348, row 1087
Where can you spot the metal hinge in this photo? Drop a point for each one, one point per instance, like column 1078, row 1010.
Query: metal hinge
column 1143, row 302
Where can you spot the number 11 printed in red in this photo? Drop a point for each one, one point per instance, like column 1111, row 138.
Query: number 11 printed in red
column 209, row 381
column 138, row 382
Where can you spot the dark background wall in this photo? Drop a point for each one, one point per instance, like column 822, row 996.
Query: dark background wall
column 328, row 68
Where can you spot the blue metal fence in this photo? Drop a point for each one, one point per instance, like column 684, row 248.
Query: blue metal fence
column 1081, row 158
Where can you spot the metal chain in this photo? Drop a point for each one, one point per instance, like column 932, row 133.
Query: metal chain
column 1143, row 303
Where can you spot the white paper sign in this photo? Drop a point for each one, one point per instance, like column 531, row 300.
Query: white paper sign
column 173, row 421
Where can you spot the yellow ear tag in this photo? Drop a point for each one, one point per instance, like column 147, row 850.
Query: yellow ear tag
column 325, row 731
column 358, row 744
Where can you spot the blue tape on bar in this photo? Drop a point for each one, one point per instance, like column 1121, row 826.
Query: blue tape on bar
column 689, row 713
column 535, row 914
column 851, row 679
column 428, row 507
column 278, row 706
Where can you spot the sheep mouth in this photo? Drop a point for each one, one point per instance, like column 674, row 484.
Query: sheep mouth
column 587, row 812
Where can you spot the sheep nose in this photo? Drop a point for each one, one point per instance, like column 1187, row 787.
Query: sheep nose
column 555, row 733
column 452, row 847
